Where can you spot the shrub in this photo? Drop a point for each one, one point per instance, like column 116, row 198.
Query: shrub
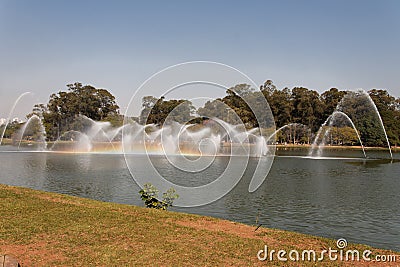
column 149, row 194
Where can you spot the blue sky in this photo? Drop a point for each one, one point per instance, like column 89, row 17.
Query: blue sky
column 118, row 44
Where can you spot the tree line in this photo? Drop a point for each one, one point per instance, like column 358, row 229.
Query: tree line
column 65, row 109
column 302, row 109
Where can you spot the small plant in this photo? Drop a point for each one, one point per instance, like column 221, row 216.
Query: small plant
column 149, row 194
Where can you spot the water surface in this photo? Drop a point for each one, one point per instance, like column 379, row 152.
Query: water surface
column 339, row 196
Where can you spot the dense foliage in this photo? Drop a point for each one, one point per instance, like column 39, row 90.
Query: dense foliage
column 300, row 111
column 158, row 110
column 306, row 110
column 64, row 108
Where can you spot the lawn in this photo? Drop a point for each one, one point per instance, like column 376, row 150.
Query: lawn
column 47, row 229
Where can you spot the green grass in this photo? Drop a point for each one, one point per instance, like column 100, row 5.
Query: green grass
column 47, row 229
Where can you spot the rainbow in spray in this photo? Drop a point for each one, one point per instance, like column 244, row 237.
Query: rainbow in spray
column 214, row 138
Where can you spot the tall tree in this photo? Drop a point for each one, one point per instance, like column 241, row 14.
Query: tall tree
column 280, row 103
column 331, row 99
column 236, row 99
column 157, row 111
column 64, row 107
column 307, row 107
column 389, row 110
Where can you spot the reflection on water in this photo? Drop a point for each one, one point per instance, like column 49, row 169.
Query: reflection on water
column 357, row 199
column 372, row 163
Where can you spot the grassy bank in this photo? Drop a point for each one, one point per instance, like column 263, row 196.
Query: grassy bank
column 47, row 229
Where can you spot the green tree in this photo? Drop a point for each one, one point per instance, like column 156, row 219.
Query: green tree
column 280, row 102
column 236, row 100
column 388, row 108
column 12, row 128
column 158, row 110
column 307, row 108
column 359, row 108
column 65, row 107
column 330, row 100
column 214, row 109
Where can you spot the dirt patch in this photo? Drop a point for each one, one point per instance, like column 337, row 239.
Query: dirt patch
column 232, row 228
column 36, row 254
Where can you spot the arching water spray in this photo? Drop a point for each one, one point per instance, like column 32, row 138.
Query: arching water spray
column 83, row 142
column 280, row 129
column 331, row 120
column 42, row 132
column 333, row 116
column 11, row 112
column 380, row 120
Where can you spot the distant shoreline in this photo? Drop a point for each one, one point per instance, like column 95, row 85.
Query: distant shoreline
column 7, row 141
column 339, row 147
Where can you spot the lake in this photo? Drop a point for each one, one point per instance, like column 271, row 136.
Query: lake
column 344, row 197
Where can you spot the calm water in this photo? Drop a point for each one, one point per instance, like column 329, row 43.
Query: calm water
column 350, row 198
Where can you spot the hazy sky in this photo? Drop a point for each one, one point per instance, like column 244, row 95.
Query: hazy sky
column 118, row 44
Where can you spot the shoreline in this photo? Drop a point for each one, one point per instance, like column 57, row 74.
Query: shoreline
column 394, row 149
column 49, row 229
column 7, row 141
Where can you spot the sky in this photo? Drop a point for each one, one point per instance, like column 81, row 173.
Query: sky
column 117, row 45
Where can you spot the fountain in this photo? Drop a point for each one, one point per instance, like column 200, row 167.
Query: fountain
column 284, row 127
column 73, row 141
column 319, row 145
column 355, row 107
column 380, row 120
column 216, row 138
column 40, row 132
column 11, row 112
column 87, row 135
column 243, row 141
